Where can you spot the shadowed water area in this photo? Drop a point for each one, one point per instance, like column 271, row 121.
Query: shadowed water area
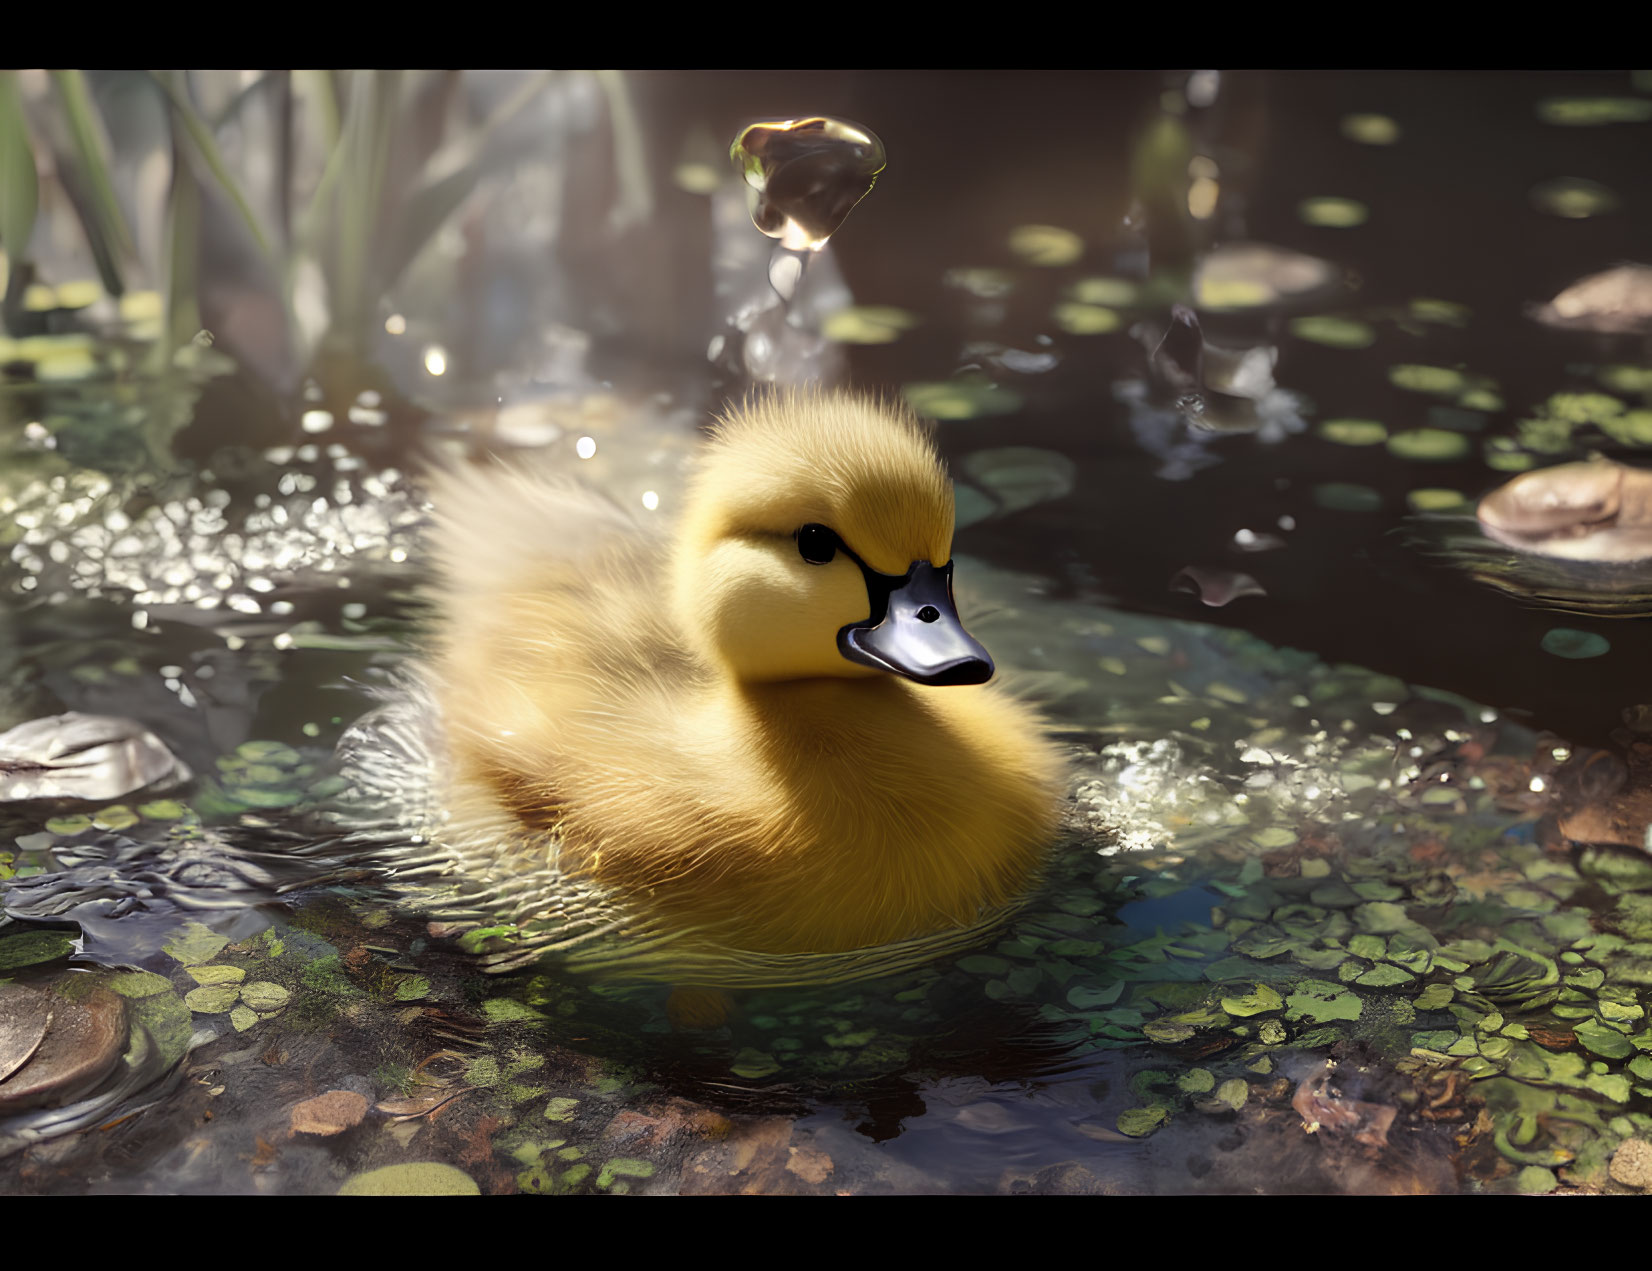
column 1232, row 373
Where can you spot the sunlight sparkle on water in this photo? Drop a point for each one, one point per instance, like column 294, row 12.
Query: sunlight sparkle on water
column 585, row 447
column 435, row 360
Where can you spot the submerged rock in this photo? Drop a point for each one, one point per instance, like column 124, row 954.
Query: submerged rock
column 75, row 756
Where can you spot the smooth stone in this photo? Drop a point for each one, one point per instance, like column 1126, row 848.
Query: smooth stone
column 84, row 1043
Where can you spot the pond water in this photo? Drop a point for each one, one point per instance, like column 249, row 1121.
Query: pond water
column 1351, row 893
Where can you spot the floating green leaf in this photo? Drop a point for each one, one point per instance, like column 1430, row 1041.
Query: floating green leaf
column 1435, row 445
column 421, row 1178
column 1082, row 319
column 1342, row 496
column 1337, row 333
column 1353, row 432
column 1370, row 129
column 1576, row 112
column 1047, row 245
column 195, row 943
column 1333, row 213
column 1573, row 198
column 1138, row 1123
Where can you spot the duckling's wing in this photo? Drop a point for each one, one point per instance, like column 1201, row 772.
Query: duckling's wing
column 496, row 524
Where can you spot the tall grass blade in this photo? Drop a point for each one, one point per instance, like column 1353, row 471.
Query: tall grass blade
column 183, row 238
column 100, row 212
column 201, row 142
column 366, row 141
column 19, row 182
column 450, row 176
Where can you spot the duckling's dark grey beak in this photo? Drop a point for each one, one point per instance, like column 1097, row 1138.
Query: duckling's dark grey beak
column 914, row 630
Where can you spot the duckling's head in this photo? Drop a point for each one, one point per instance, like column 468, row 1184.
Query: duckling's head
column 817, row 541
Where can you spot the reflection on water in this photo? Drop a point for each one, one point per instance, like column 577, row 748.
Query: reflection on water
column 1309, row 927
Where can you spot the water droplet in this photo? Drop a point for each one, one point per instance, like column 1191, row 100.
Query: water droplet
column 804, row 176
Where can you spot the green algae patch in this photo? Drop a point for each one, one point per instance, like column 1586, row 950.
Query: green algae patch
column 623, row 1167
column 421, row 1178
column 168, row 1022
column 136, row 984
column 501, row 1010
column 562, row 1108
column 30, row 948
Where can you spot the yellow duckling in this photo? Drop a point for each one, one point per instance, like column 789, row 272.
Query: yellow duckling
column 767, row 726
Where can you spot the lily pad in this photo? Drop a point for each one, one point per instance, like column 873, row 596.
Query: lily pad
column 1435, row 445
column 1020, row 476
column 961, row 399
column 1262, row 1001
column 1354, row 432
column 1334, row 332
column 1320, row 1002
column 1138, row 1123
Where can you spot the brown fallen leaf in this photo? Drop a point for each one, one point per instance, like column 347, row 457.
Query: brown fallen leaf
column 810, row 1164
column 330, row 1113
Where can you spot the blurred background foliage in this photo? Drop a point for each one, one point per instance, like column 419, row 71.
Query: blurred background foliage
column 302, row 221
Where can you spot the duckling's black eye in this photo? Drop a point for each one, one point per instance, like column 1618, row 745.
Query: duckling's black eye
column 816, row 544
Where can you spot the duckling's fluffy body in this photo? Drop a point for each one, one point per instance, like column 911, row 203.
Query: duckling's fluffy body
column 672, row 717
